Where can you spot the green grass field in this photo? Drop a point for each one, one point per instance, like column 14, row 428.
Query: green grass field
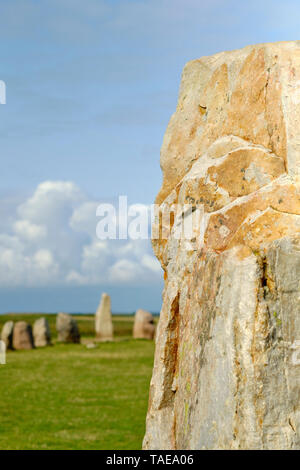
column 71, row 397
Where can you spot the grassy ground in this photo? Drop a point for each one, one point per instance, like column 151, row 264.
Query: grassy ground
column 71, row 397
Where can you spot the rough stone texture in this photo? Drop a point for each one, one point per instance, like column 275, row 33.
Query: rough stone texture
column 41, row 333
column 22, row 336
column 103, row 320
column 67, row 329
column 143, row 327
column 227, row 363
column 7, row 334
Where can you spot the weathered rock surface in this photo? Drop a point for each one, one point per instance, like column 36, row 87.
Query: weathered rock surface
column 41, row 333
column 2, row 352
column 22, row 336
column 143, row 327
column 67, row 329
column 227, row 363
column 103, row 320
column 7, row 334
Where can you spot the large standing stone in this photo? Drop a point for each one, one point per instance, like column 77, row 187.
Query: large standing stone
column 41, row 333
column 227, row 363
column 67, row 329
column 143, row 327
column 103, row 320
column 22, row 336
column 7, row 334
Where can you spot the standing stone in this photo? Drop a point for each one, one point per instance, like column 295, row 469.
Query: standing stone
column 7, row 334
column 22, row 336
column 143, row 327
column 41, row 333
column 103, row 320
column 2, row 353
column 227, row 362
column 67, row 329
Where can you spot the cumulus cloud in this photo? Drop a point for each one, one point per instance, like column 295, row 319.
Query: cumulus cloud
column 50, row 239
column 25, row 229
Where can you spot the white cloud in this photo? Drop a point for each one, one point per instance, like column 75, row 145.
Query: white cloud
column 50, row 239
column 43, row 259
column 52, row 202
column 25, row 229
column 83, row 218
column 151, row 262
column 124, row 270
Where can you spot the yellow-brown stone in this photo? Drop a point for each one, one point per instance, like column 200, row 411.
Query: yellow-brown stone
column 226, row 371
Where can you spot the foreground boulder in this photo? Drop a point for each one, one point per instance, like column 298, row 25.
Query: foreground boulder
column 41, row 333
column 227, row 362
column 143, row 327
column 67, row 329
column 7, row 334
column 22, row 336
column 103, row 320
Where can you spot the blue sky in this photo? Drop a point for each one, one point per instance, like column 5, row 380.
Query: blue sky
column 90, row 89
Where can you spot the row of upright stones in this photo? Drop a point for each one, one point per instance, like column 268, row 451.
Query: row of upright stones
column 22, row 336
column 143, row 328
